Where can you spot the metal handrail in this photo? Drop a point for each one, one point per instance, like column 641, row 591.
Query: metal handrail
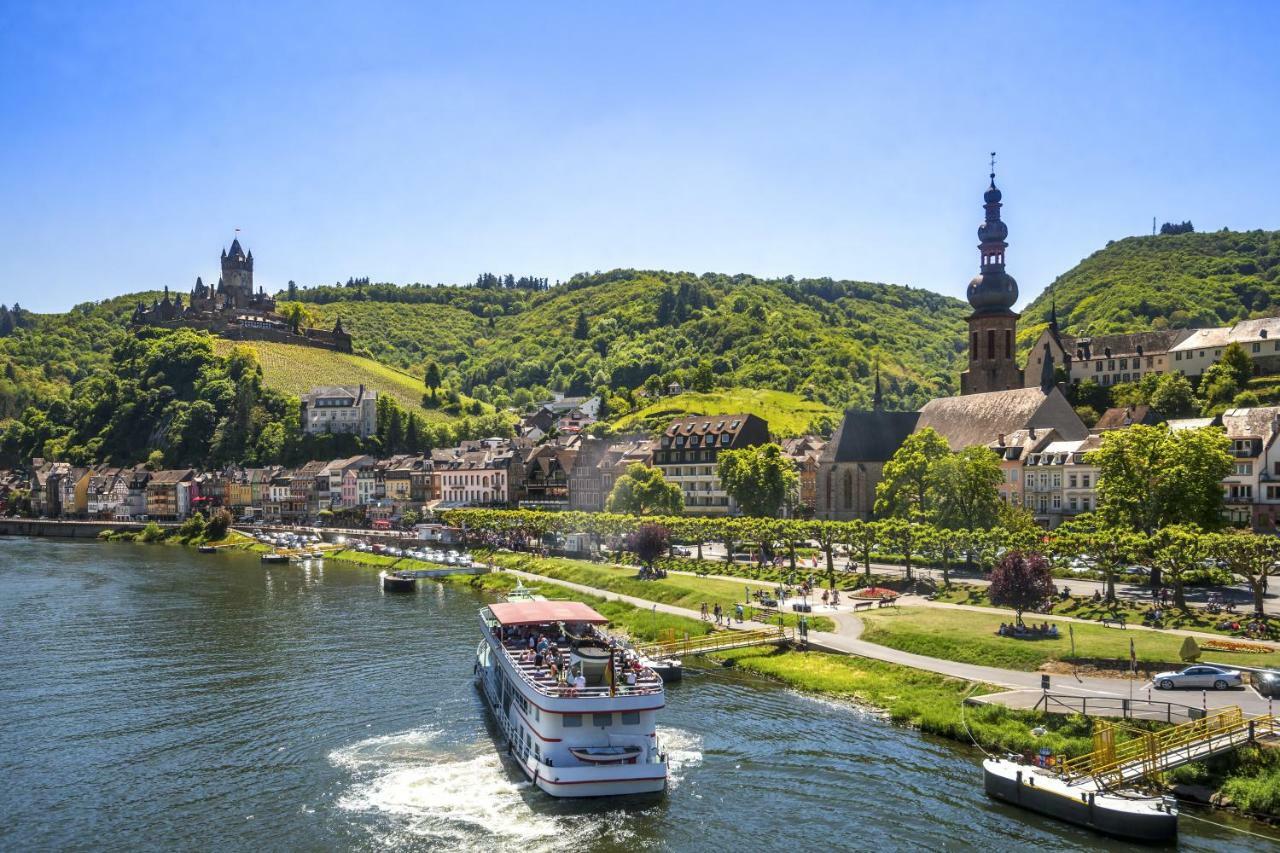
column 712, row 642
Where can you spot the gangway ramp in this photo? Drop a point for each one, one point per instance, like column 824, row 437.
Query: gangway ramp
column 1144, row 754
column 718, row 641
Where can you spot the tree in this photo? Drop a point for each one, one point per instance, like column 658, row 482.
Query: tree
column 644, row 491
column 760, row 479
column 580, row 329
column 1238, row 363
column 1150, row 477
column 1250, row 555
column 861, row 537
column 905, row 538
column 649, row 542
column 1172, row 396
column 218, row 526
column 409, row 518
column 1218, row 388
column 1021, row 581
column 1175, row 550
column 905, row 488
column 966, row 485
column 431, row 378
column 155, row 460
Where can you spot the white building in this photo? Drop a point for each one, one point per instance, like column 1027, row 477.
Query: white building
column 340, row 409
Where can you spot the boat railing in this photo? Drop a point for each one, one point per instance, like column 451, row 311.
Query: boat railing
column 647, row 682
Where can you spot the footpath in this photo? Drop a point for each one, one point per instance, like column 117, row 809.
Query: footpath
column 1018, row 685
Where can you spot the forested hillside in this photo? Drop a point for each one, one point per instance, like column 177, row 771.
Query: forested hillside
column 1166, row 281
column 621, row 329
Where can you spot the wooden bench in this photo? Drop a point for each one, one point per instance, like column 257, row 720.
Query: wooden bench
column 864, row 603
column 1112, row 622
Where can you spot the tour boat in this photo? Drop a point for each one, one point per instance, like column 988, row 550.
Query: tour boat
column 1130, row 816
column 592, row 740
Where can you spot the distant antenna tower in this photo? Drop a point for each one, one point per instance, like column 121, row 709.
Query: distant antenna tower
column 1153, row 226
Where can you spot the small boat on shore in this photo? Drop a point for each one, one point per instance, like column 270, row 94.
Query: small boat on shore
column 1121, row 814
column 206, row 549
column 668, row 669
column 397, row 582
column 274, row 558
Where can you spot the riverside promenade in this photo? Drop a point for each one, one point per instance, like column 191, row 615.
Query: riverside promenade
column 1018, row 685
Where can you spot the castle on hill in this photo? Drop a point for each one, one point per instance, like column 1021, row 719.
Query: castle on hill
column 233, row 309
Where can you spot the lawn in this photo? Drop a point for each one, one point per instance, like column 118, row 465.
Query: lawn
column 969, row 637
column 296, row 369
column 925, row 700
column 636, row 622
column 678, row 590
column 787, row 413
column 1084, row 607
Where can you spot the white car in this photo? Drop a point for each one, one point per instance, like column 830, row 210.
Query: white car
column 1200, row 676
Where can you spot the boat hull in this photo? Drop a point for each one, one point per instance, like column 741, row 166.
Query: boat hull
column 391, row 583
column 608, row 780
column 1092, row 811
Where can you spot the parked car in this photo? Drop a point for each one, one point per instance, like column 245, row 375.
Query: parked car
column 1267, row 683
column 1200, row 676
column 681, row 551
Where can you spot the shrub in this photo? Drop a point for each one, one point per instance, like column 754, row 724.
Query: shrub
column 152, row 532
column 1190, row 650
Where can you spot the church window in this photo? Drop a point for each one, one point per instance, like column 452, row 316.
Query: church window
column 991, row 343
column 973, row 350
column 847, row 486
column 1008, row 344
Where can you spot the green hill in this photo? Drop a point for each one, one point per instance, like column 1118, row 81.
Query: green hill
column 814, row 338
column 1166, row 281
column 296, row 369
column 787, row 414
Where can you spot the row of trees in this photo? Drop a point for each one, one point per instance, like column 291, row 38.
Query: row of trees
column 1173, row 552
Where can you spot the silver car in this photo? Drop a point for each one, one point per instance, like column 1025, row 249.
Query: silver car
column 1200, row 676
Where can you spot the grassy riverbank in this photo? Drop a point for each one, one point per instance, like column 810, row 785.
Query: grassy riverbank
column 1248, row 780
column 636, row 622
column 678, row 590
column 969, row 636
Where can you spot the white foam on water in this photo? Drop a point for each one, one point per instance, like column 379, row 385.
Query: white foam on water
column 433, row 793
column 684, row 750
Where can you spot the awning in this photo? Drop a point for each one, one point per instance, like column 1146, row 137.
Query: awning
column 543, row 612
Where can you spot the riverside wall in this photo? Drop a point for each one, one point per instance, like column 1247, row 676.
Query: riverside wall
column 66, row 529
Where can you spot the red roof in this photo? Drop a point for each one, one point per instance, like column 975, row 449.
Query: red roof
column 540, row 612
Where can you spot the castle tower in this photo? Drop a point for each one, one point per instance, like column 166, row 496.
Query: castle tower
column 237, row 274
column 993, row 325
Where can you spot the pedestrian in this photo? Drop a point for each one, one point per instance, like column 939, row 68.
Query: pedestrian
column 739, row 613
column 746, row 593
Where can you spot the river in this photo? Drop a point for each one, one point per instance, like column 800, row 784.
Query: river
column 155, row 698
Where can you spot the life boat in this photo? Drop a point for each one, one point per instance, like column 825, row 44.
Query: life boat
column 606, row 754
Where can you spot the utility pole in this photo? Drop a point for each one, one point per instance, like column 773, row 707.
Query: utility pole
column 1153, row 226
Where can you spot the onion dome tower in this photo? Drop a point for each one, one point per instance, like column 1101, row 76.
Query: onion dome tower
column 993, row 325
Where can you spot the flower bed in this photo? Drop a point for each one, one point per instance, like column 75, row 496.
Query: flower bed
column 1235, row 646
column 874, row 592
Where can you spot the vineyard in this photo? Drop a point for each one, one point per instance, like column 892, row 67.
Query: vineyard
column 297, row 369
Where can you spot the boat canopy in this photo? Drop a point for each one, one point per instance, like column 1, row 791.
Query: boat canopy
column 543, row 612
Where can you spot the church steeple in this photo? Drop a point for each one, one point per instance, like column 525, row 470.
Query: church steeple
column 992, row 293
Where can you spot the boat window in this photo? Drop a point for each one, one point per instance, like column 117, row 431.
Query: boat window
column 601, row 719
column 572, row 721
column 631, row 718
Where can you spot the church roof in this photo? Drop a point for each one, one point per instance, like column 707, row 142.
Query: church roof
column 235, row 247
column 976, row 419
column 869, row 436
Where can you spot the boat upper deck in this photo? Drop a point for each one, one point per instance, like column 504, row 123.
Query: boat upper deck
column 560, row 651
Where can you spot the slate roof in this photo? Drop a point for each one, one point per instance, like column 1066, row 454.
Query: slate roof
column 1262, row 422
column 975, row 419
column 869, row 436
column 1120, row 417
column 1246, row 331
column 1125, row 344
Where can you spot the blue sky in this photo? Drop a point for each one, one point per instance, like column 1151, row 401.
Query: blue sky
column 430, row 142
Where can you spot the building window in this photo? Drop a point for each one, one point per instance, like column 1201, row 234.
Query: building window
column 1084, row 481
column 630, row 718
column 973, row 350
column 1008, row 344
column 847, row 489
column 601, row 719
column 991, row 344
column 572, row 721
column 1244, row 469
column 1057, row 501
column 1071, row 481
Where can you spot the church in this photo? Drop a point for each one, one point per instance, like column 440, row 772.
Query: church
column 993, row 401
column 233, row 309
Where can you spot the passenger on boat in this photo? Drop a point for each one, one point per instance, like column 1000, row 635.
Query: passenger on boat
column 631, row 680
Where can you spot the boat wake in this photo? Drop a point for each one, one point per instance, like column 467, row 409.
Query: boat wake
column 419, row 790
